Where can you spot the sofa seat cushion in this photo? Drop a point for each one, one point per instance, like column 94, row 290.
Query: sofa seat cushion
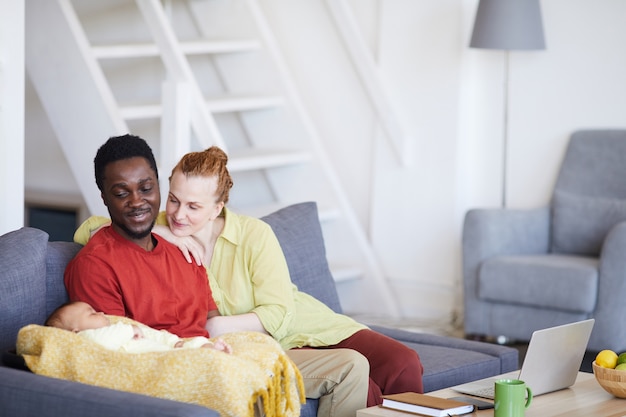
column 28, row 394
column 446, row 366
column 450, row 361
column 557, row 282
column 23, row 283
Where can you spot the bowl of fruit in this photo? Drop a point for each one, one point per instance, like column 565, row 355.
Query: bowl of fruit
column 610, row 371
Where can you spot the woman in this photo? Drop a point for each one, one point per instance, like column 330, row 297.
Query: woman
column 250, row 279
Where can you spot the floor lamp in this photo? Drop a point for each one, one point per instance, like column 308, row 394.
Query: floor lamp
column 507, row 25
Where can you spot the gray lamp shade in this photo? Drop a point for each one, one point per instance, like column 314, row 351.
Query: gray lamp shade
column 508, row 24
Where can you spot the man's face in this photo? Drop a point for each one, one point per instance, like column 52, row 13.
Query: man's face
column 130, row 190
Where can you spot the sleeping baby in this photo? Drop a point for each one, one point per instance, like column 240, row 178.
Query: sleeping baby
column 81, row 318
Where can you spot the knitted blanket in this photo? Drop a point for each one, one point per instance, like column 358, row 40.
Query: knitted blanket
column 257, row 369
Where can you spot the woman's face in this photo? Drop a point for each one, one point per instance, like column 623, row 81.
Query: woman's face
column 191, row 203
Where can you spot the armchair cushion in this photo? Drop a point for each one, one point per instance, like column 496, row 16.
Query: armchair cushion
column 580, row 223
column 557, row 282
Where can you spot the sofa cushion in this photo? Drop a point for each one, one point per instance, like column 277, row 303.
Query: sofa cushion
column 22, row 282
column 59, row 254
column 27, row 394
column 452, row 361
column 566, row 283
column 299, row 232
column 580, row 223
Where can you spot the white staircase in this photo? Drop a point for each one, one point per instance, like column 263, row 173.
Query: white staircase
column 186, row 75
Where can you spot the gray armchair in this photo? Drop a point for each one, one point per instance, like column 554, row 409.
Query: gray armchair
column 529, row 269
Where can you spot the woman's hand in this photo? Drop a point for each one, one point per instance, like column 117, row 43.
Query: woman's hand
column 94, row 231
column 189, row 246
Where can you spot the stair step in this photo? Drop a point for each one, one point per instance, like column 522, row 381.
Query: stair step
column 141, row 112
column 243, row 103
column 200, row 47
column 214, row 105
column 346, row 273
column 350, row 257
column 251, row 159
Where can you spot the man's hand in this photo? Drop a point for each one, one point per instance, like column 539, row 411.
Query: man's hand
column 94, row 231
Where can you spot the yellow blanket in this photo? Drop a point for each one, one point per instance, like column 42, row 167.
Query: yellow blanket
column 258, row 368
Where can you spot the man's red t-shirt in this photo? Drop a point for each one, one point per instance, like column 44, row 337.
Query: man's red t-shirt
column 157, row 288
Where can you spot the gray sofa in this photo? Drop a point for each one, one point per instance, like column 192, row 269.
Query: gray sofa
column 31, row 286
column 528, row 269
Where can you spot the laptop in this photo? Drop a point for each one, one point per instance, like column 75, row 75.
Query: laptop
column 551, row 363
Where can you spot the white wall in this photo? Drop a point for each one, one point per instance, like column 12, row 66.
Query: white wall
column 448, row 98
column 416, row 215
column 11, row 115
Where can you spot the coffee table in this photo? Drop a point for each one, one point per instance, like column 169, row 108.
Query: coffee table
column 585, row 398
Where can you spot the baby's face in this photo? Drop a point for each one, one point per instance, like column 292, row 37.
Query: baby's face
column 81, row 316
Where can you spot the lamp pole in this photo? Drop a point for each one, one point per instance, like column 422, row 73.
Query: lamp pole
column 505, row 127
column 507, row 25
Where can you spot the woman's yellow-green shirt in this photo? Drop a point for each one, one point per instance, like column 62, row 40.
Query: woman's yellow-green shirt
column 248, row 273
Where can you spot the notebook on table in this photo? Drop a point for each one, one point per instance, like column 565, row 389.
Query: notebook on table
column 427, row 405
column 551, row 363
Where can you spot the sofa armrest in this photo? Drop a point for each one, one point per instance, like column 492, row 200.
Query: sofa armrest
column 28, row 395
column 608, row 330
column 491, row 232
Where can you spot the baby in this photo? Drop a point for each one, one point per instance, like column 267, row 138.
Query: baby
column 81, row 318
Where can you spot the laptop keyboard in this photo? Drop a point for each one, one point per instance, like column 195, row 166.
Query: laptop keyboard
column 487, row 392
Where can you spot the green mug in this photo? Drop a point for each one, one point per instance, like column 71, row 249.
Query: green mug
column 512, row 398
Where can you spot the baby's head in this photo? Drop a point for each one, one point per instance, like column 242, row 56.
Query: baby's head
column 77, row 316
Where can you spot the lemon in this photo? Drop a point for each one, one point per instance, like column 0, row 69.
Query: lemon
column 606, row 359
column 621, row 367
column 621, row 358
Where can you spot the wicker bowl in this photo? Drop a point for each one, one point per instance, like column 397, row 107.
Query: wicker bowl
column 613, row 382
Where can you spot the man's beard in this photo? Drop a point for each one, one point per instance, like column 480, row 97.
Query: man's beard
column 135, row 235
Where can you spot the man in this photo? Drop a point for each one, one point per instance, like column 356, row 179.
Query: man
column 127, row 270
